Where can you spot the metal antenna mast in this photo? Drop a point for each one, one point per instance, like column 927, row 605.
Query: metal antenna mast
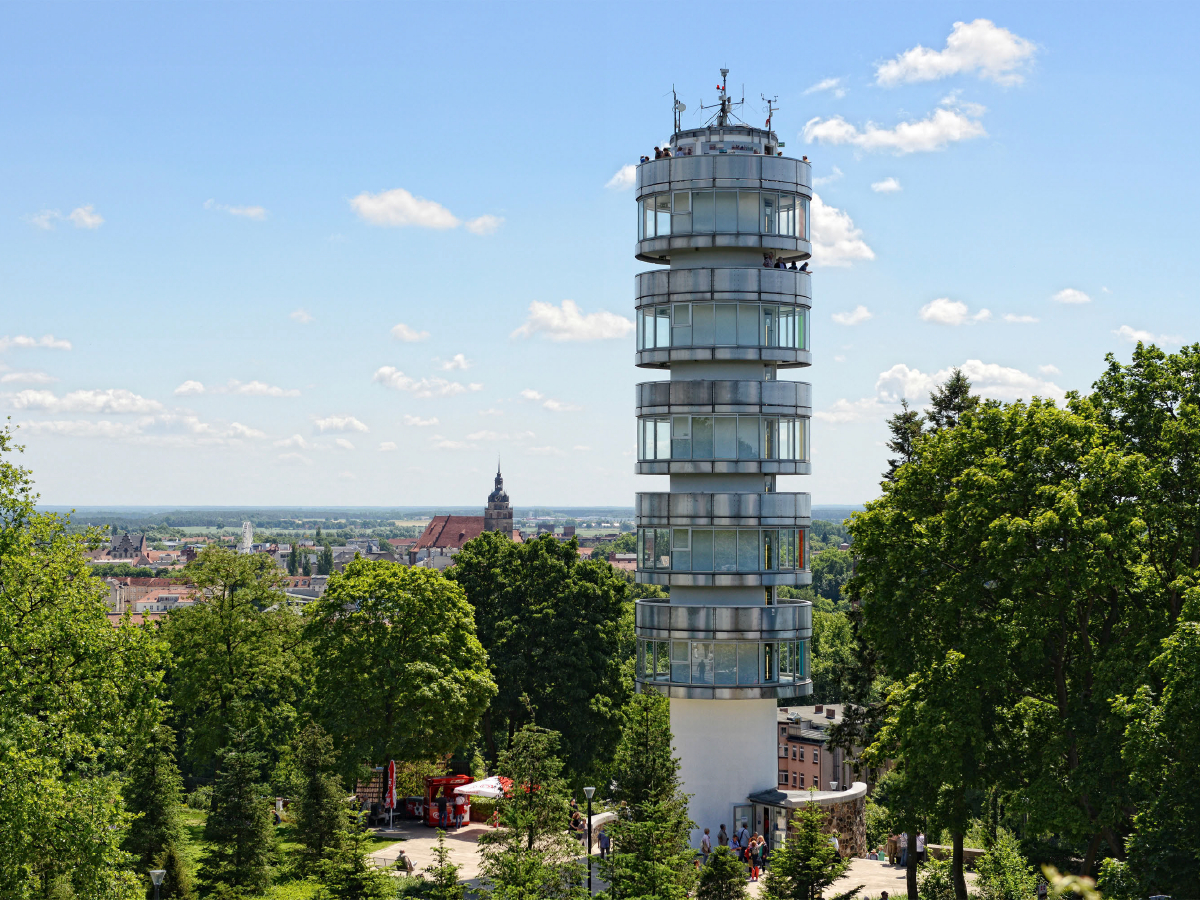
column 771, row 108
column 677, row 107
column 724, row 104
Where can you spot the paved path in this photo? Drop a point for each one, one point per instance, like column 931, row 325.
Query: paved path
column 419, row 842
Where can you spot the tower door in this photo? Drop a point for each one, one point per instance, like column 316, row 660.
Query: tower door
column 743, row 815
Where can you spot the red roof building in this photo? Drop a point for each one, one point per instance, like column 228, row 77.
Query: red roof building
column 449, row 533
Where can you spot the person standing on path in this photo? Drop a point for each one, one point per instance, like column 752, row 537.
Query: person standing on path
column 744, row 835
column 705, row 848
column 921, row 847
column 903, row 849
column 605, row 842
column 722, row 837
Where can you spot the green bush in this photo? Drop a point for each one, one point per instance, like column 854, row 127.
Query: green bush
column 482, row 809
column 934, row 881
column 1004, row 874
column 879, row 824
column 201, row 797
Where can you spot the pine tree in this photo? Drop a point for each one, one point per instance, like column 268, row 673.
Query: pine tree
column 652, row 852
column 905, row 426
column 177, row 883
column 347, row 873
column 325, row 560
column 305, row 564
column 724, row 878
column 320, row 804
column 948, row 401
column 154, row 793
column 293, row 560
column 443, row 874
column 807, row 863
column 238, row 831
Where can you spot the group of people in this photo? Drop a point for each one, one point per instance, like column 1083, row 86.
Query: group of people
column 659, row 153
column 750, row 848
column 451, row 810
column 771, row 261
column 900, row 842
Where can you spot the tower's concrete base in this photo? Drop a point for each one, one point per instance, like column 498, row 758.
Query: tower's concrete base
column 727, row 750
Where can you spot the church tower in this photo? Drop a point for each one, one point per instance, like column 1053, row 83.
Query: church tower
column 498, row 516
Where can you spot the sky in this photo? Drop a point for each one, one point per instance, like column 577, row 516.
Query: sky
column 354, row 254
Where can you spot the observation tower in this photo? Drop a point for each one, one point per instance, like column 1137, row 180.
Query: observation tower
column 724, row 428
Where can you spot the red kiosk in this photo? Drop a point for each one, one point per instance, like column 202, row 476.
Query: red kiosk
column 440, row 800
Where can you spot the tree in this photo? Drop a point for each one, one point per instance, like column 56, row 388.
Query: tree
column 154, row 794
column 1004, row 874
column 652, row 856
column 177, row 882
column 443, row 874
column 832, row 655
column 240, row 648
column 347, row 874
column 293, row 559
column 68, row 680
column 906, row 426
column 948, row 402
column 557, row 630
column 724, row 878
column 403, row 675
column 1162, row 748
column 321, row 799
column 807, row 863
column 830, row 570
column 305, row 565
column 532, row 857
column 325, row 560
column 238, row 830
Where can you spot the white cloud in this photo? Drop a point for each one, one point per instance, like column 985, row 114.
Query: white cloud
column 246, row 389
column 1049, row 369
column 237, row 429
column 418, row 422
column 344, row 444
column 301, row 315
column 387, row 446
column 548, row 402
column 112, row 401
column 1071, row 295
column 1135, row 335
column 833, row 176
column 945, row 311
column 458, row 361
column 491, row 412
column 347, row 476
column 493, row 436
column 27, row 377
column 850, row 411
column 45, row 219
column 987, row 379
column 859, row 315
column 624, row 179
column 980, row 46
column 443, row 443
column 246, row 212
column 85, row 429
column 887, row 186
column 339, row 423
column 568, row 323
column 1020, row 320
column 828, row 84
column 484, row 225
column 934, row 132
column 398, row 207
column 581, row 447
column 25, row 342
column 86, row 217
column 402, row 332
column 839, row 358
column 294, row 441
column 544, row 451
column 836, row 242
column 390, row 376
column 293, row 459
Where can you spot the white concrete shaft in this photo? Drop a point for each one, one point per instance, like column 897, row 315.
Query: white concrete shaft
column 727, row 751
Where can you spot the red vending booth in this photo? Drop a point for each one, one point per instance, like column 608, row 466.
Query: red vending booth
column 440, row 801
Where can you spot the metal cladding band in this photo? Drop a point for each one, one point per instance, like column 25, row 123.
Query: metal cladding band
column 723, row 284
column 703, row 397
column 726, row 510
column 698, row 173
column 798, row 578
column 660, row 249
column 748, row 692
column 723, row 467
column 655, row 620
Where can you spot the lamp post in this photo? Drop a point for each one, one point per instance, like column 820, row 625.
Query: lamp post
column 587, row 792
column 156, row 875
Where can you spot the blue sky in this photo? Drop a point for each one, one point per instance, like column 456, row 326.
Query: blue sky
column 222, row 213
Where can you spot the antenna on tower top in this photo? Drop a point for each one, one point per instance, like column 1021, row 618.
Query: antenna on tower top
column 724, row 105
column 771, row 108
column 677, row 107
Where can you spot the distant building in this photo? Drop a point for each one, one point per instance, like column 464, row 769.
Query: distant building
column 247, row 542
column 498, row 514
column 444, row 536
column 128, row 546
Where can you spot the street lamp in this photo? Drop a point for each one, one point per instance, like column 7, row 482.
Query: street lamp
column 156, row 875
column 587, row 792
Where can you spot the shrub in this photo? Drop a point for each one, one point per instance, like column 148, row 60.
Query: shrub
column 1004, row 874
column 200, row 798
column 482, row 809
column 934, row 881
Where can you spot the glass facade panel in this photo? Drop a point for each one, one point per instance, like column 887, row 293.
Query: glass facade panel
column 769, row 205
column 725, row 659
column 681, row 437
column 702, row 437
column 681, row 551
column 681, row 218
column 681, row 327
column 662, row 208
column 747, row 550
column 748, row 211
column 769, row 662
column 702, row 211
column 787, row 215
column 702, row 550
column 662, row 548
column 726, row 325
column 787, row 326
column 725, row 557
column 770, row 435
column 747, row 314
column 726, row 206
column 769, row 337
column 662, row 328
column 662, row 439
column 747, row 663
column 648, row 217
column 802, row 218
column 770, row 549
column 725, row 428
column 679, row 662
column 664, row 661
column 702, row 325
column 747, row 437
column 702, row 662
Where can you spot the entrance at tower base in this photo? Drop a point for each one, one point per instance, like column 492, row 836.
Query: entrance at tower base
column 727, row 751
column 845, row 811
